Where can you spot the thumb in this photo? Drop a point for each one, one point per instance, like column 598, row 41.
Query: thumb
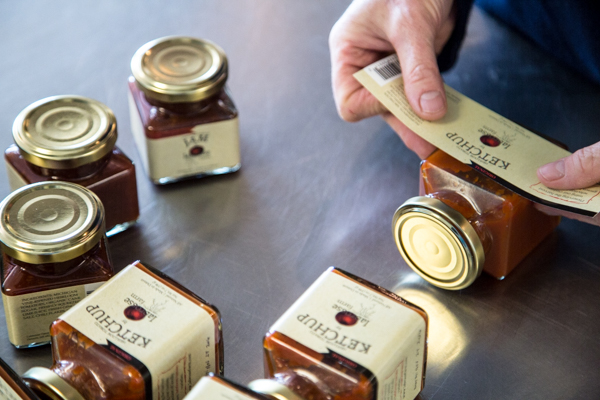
column 579, row 170
column 422, row 81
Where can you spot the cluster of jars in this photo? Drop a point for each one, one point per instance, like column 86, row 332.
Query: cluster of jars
column 142, row 335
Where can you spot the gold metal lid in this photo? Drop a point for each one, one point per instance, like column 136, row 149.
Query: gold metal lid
column 438, row 243
column 50, row 222
column 273, row 389
column 178, row 69
column 50, row 384
column 63, row 132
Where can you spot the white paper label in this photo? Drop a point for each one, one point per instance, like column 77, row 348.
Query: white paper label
column 212, row 389
column 28, row 316
column 171, row 335
column 205, row 149
column 15, row 180
column 477, row 136
column 7, row 392
column 364, row 326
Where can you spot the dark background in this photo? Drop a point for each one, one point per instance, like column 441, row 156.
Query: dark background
column 315, row 191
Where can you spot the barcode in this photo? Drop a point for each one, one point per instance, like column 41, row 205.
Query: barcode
column 389, row 70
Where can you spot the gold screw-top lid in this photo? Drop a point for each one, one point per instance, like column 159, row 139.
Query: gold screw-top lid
column 438, row 243
column 273, row 389
column 63, row 132
column 177, row 69
column 50, row 384
column 50, row 222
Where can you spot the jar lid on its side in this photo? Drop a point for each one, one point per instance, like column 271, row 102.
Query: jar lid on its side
column 273, row 389
column 177, row 69
column 438, row 243
column 50, row 222
column 63, row 132
column 50, row 384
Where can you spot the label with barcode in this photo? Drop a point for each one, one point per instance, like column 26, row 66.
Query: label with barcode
column 384, row 70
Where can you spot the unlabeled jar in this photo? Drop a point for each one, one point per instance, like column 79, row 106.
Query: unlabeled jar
column 182, row 117
column 140, row 336
column 72, row 138
column 53, row 254
column 464, row 223
column 346, row 339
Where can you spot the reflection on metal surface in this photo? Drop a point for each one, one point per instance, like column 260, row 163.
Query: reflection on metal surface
column 446, row 337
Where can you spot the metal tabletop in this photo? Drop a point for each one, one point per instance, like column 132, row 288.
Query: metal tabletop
column 314, row 191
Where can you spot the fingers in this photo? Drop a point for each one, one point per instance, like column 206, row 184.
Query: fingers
column 414, row 142
column 354, row 44
column 415, row 44
column 579, row 170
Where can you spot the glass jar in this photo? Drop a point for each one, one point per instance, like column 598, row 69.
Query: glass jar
column 218, row 388
column 347, row 339
column 140, row 336
column 72, row 138
column 54, row 253
column 11, row 386
column 182, row 116
column 464, row 223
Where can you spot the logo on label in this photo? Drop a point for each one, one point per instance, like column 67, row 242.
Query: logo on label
column 196, row 150
column 490, row 140
column 135, row 313
column 346, row 318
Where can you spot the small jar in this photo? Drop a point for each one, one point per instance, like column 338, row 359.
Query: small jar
column 72, row 138
column 218, row 388
column 182, row 116
column 54, row 253
column 464, row 223
column 11, row 386
column 140, row 336
column 347, row 339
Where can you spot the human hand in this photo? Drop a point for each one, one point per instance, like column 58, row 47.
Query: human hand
column 577, row 171
column 416, row 30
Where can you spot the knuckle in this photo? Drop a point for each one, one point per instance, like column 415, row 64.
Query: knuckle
column 421, row 73
column 587, row 159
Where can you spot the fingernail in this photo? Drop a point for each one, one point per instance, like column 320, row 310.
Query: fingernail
column 553, row 171
column 431, row 102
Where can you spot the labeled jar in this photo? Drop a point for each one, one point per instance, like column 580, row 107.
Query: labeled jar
column 464, row 223
column 11, row 385
column 218, row 388
column 54, row 253
column 182, row 117
column 347, row 339
column 72, row 138
column 140, row 336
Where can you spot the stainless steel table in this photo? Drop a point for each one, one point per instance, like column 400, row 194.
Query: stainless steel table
column 315, row 191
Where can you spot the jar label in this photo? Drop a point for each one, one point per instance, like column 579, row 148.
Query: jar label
column 153, row 327
column 477, row 136
column 28, row 316
column 205, row 149
column 213, row 389
column 15, row 180
column 7, row 392
column 350, row 322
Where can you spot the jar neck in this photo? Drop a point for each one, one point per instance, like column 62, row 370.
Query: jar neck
column 184, row 108
column 53, row 270
column 72, row 174
column 466, row 209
